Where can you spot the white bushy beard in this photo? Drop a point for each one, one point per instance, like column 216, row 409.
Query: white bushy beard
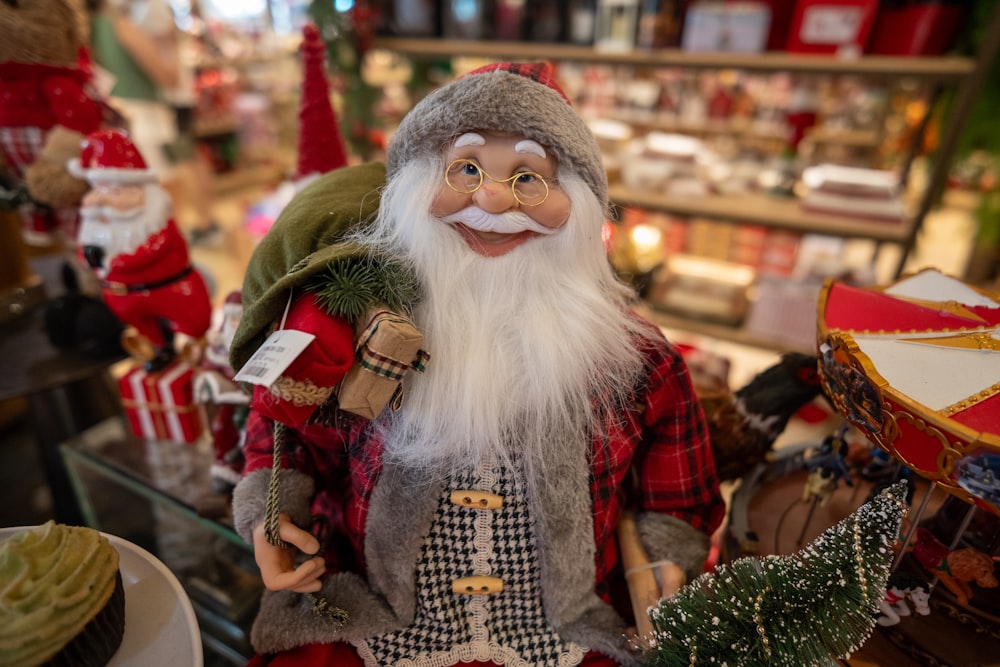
column 122, row 232
column 527, row 349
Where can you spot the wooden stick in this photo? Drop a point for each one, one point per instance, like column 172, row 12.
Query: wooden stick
column 643, row 589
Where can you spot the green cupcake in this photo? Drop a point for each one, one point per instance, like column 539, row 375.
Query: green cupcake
column 62, row 600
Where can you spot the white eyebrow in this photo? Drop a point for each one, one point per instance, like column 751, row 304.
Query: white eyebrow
column 529, row 146
column 470, row 139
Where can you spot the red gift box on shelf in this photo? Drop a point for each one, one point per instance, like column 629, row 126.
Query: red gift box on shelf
column 917, row 29
column 782, row 12
column 840, row 27
column 161, row 405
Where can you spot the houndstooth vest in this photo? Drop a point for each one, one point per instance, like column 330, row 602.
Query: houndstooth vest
column 478, row 585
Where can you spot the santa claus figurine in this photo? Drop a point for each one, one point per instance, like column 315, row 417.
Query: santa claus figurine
column 475, row 520
column 128, row 236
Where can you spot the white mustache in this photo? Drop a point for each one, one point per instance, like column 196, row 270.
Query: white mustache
column 99, row 213
column 503, row 223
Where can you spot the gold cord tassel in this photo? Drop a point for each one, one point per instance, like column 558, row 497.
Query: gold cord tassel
column 271, row 509
column 321, row 605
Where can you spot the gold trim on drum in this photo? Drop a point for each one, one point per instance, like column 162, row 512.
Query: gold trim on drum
column 950, row 307
column 969, row 401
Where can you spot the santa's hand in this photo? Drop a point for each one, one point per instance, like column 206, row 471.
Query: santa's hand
column 670, row 577
column 277, row 565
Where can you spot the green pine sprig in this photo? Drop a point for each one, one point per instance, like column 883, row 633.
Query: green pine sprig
column 350, row 286
column 801, row 610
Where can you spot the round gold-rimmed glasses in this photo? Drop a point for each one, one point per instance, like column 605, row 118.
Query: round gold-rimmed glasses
column 465, row 176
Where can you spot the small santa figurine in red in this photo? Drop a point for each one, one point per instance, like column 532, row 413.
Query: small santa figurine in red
column 225, row 401
column 128, row 236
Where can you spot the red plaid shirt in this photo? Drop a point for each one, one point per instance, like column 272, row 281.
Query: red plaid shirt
column 656, row 458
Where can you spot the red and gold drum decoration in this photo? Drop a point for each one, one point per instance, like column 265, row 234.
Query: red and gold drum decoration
column 916, row 366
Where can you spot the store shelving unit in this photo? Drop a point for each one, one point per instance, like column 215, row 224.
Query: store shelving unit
column 759, row 209
column 647, row 120
column 943, row 69
column 964, row 75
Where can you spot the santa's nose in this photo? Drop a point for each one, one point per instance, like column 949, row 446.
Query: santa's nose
column 495, row 197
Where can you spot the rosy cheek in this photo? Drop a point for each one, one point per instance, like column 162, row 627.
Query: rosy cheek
column 553, row 213
column 447, row 201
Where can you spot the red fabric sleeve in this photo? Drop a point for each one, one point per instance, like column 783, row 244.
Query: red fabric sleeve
column 677, row 474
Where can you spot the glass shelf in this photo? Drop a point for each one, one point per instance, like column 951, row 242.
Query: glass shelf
column 165, row 472
column 158, row 494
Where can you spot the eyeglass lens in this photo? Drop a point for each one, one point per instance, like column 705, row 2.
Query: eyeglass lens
column 466, row 176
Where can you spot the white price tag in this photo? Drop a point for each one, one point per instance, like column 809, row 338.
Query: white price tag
column 272, row 358
column 831, row 25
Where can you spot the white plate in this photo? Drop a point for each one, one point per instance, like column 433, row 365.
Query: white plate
column 161, row 629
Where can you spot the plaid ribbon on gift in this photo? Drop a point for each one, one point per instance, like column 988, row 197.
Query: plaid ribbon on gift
column 21, row 147
column 420, row 363
column 380, row 364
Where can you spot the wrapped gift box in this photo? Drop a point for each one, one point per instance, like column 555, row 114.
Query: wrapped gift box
column 387, row 347
column 840, row 27
column 873, row 194
column 703, row 288
column 736, row 27
column 161, row 405
column 927, row 28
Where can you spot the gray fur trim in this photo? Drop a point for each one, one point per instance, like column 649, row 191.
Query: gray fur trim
column 503, row 102
column 250, row 498
column 602, row 630
column 287, row 620
column 668, row 538
column 400, row 514
column 564, row 525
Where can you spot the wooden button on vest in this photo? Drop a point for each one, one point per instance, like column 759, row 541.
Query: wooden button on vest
column 477, row 499
column 477, row 585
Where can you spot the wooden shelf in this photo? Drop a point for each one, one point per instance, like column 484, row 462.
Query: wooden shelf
column 731, row 334
column 661, row 122
column 214, row 128
column 846, row 137
column 758, row 209
column 937, row 68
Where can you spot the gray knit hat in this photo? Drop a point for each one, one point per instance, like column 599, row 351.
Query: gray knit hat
column 502, row 97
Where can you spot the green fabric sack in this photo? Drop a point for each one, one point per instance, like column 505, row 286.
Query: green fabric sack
column 305, row 250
